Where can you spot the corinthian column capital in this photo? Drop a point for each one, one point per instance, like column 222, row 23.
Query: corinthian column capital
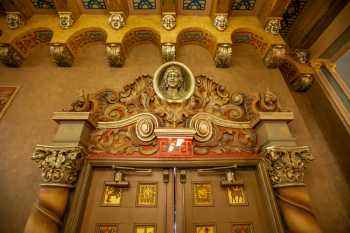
column 60, row 165
column 286, row 165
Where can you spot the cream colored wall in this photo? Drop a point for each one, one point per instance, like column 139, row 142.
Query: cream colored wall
column 46, row 88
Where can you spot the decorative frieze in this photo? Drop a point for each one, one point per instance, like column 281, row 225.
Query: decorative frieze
column 65, row 19
column 275, row 55
column 61, row 55
column 301, row 56
column 169, row 20
column 273, row 25
column 223, row 55
column 14, row 19
column 286, row 165
column 59, row 165
column 168, row 52
column 115, row 55
column 116, row 20
column 221, row 22
column 9, row 56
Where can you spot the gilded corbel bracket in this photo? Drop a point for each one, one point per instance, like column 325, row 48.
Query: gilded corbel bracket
column 60, row 165
column 273, row 25
column 168, row 52
column 115, row 54
column 275, row 55
column 9, row 56
column 223, row 56
column 61, row 55
column 14, row 19
column 65, row 19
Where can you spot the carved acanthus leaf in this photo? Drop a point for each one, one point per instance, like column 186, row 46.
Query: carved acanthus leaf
column 59, row 165
column 209, row 97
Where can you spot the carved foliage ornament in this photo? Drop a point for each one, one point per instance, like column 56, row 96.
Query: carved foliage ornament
column 14, row 19
column 273, row 25
column 65, row 19
column 286, row 165
column 59, row 165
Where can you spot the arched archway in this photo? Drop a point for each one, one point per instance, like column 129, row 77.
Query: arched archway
column 251, row 37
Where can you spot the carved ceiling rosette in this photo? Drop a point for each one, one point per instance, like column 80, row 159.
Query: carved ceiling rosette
column 172, row 99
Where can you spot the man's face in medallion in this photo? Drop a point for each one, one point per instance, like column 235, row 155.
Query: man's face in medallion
column 174, row 78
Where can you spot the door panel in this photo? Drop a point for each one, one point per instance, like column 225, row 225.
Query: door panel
column 207, row 206
column 144, row 206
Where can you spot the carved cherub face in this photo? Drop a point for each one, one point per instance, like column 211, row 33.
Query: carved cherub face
column 173, row 78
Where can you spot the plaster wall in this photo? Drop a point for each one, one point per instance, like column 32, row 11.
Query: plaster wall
column 46, row 88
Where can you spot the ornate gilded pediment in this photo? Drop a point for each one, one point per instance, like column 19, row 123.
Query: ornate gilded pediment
column 223, row 120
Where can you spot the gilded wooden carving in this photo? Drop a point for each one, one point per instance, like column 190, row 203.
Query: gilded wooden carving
column 59, row 165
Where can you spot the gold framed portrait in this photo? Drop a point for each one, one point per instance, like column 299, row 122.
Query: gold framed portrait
column 145, row 228
column 205, row 228
column 111, row 196
column 236, row 195
column 106, row 228
column 147, row 194
column 242, row 228
column 202, row 194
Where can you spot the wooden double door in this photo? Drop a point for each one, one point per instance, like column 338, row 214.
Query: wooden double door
column 181, row 200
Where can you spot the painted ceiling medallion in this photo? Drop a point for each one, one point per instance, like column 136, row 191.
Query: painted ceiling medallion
column 174, row 82
column 194, row 4
column 44, row 4
column 243, row 4
column 94, row 4
column 144, row 4
column 169, row 21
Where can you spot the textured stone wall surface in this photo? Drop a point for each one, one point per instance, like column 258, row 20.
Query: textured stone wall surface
column 46, row 88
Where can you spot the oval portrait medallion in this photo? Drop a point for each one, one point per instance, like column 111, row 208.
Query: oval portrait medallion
column 174, row 82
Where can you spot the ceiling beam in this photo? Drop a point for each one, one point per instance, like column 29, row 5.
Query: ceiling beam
column 25, row 7
column 118, row 6
column 272, row 8
column 318, row 15
column 68, row 6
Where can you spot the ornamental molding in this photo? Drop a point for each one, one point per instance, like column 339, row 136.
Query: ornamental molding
column 116, row 20
column 9, row 56
column 14, row 19
column 115, row 55
column 273, row 25
column 221, row 22
column 223, row 121
column 223, row 56
column 61, row 55
column 60, row 165
column 286, row 165
column 65, row 19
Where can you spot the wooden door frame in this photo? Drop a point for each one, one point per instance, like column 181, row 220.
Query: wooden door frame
column 79, row 198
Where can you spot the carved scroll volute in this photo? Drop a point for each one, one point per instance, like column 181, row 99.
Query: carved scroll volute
column 203, row 127
column 286, row 167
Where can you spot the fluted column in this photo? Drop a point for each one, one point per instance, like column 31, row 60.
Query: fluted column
column 286, row 163
column 60, row 164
